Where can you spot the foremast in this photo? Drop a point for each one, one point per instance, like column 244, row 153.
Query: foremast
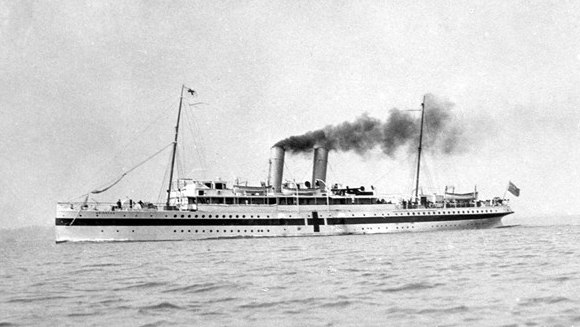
column 174, row 148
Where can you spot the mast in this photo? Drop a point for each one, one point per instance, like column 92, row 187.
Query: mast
column 174, row 148
column 419, row 149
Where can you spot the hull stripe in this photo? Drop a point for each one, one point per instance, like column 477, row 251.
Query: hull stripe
column 267, row 221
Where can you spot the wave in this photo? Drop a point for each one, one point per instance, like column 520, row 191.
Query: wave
column 161, row 306
column 195, row 288
column 155, row 323
column 82, row 314
column 281, row 303
column 36, row 299
column 543, row 300
column 411, row 287
column 455, row 309
column 142, row 286
column 337, row 304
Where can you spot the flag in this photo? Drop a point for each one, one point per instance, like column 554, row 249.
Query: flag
column 193, row 93
column 513, row 189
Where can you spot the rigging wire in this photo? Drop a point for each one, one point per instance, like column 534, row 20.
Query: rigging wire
column 390, row 171
column 194, row 126
column 164, row 182
column 125, row 146
column 98, row 190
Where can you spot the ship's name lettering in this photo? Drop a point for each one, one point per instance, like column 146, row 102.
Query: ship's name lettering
column 105, row 212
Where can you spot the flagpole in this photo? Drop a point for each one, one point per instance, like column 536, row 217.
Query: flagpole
column 174, row 149
column 505, row 192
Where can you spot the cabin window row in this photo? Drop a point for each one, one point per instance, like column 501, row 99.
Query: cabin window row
column 217, row 216
column 280, row 200
column 224, row 231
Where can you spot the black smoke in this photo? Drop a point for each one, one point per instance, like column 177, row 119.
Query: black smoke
column 441, row 133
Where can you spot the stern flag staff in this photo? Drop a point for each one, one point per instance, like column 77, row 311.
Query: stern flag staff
column 513, row 189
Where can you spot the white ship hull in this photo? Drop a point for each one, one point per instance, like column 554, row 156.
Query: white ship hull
column 90, row 225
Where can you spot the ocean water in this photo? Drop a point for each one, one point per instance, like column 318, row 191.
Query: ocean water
column 518, row 276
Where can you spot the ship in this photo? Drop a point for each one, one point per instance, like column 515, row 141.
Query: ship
column 207, row 209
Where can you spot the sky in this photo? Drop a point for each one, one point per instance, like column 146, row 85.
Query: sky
column 89, row 90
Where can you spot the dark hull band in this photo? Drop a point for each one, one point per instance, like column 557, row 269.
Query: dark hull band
column 316, row 221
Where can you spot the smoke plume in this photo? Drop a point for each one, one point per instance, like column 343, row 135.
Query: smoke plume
column 441, row 133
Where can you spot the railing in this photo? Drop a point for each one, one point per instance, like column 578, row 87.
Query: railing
column 148, row 206
column 449, row 204
column 107, row 206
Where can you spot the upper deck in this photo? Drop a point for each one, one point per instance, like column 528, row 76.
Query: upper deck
column 190, row 195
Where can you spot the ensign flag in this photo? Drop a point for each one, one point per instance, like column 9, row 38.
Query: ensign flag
column 513, row 189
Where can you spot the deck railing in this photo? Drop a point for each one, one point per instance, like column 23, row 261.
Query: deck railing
column 108, row 206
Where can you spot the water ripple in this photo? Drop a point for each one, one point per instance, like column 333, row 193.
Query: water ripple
column 454, row 278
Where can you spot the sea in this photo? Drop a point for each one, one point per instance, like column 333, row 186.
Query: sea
column 515, row 276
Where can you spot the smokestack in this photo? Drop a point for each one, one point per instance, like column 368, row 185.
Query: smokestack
column 276, row 167
column 319, row 165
